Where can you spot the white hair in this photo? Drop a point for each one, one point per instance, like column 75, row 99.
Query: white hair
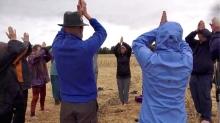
column 216, row 20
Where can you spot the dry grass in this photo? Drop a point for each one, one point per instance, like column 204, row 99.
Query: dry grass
column 110, row 109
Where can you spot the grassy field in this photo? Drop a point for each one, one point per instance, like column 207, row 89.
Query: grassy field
column 110, row 109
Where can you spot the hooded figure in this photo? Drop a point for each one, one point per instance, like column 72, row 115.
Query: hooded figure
column 165, row 73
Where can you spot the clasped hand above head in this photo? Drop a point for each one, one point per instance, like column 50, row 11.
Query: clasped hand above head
column 82, row 9
column 163, row 18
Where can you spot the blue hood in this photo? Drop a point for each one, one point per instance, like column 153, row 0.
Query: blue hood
column 169, row 37
column 165, row 73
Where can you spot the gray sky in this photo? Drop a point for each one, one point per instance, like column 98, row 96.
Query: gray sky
column 128, row 18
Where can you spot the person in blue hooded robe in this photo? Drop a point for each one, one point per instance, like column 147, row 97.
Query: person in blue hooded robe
column 165, row 73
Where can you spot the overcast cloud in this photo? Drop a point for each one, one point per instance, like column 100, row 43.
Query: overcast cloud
column 129, row 18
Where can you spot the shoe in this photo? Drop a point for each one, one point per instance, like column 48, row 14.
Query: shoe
column 57, row 102
column 32, row 114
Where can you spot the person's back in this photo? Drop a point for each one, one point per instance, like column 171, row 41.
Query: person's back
column 165, row 73
column 74, row 61
column 77, row 82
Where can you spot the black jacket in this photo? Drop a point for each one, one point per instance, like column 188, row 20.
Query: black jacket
column 26, row 70
column 9, row 86
column 202, row 62
column 215, row 46
column 123, row 61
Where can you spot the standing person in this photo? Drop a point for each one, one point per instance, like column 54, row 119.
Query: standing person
column 122, row 52
column 215, row 40
column 54, row 81
column 12, row 96
column 165, row 73
column 74, row 61
column 37, row 60
column 24, row 79
column 215, row 53
column 202, row 74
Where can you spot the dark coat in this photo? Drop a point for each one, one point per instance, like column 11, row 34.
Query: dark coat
column 202, row 62
column 38, row 65
column 123, row 61
column 215, row 46
column 26, row 70
column 9, row 86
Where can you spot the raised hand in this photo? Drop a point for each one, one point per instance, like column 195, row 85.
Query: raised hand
column 25, row 38
column 163, row 18
column 11, row 33
column 79, row 7
column 82, row 8
column 43, row 44
column 121, row 40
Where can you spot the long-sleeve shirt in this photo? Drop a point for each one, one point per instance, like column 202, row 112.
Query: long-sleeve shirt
column 74, row 61
column 202, row 62
column 165, row 74
column 123, row 60
column 37, row 62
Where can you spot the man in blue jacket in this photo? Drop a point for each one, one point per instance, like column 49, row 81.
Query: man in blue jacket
column 74, row 61
column 165, row 73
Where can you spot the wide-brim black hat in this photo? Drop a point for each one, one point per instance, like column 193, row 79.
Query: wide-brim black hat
column 72, row 19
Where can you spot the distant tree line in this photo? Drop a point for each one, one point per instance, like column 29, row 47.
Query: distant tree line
column 106, row 50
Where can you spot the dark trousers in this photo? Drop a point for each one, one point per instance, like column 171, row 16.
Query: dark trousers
column 200, row 87
column 16, row 114
column 79, row 112
column 20, row 108
column 38, row 91
column 6, row 117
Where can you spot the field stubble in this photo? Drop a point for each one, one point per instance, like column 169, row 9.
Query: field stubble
column 110, row 109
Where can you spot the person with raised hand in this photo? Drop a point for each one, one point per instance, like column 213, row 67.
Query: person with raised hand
column 38, row 60
column 165, row 73
column 202, row 74
column 74, row 62
column 15, row 78
column 122, row 52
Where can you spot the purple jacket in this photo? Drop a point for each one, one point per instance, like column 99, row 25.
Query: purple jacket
column 37, row 62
